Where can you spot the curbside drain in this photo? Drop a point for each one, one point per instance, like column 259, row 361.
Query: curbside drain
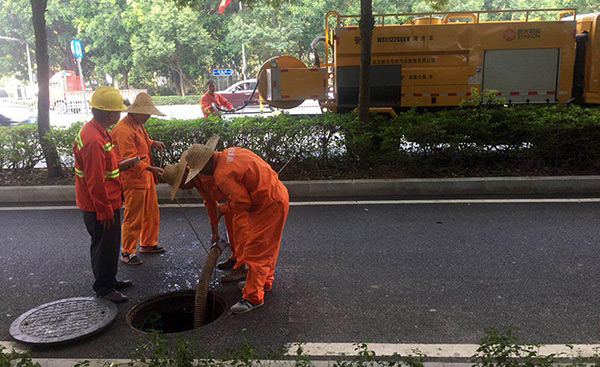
column 63, row 321
column 173, row 312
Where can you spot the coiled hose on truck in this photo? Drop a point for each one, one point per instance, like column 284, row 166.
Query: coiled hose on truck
column 203, row 282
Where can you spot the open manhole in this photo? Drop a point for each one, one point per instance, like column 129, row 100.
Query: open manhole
column 172, row 312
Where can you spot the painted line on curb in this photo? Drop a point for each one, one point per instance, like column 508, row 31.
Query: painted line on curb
column 324, row 350
column 96, row 362
column 357, row 202
column 430, row 350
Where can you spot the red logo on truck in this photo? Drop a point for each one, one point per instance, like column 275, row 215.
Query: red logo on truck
column 509, row 35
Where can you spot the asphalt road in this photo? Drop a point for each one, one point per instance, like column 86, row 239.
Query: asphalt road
column 422, row 273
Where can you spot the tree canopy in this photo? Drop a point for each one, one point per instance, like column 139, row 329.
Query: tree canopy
column 171, row 46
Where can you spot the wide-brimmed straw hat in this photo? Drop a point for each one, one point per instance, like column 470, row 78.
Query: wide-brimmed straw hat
column 173, row 174
column 197, row 155
column 143, row 105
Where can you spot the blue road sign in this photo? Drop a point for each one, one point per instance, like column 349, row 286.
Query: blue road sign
column 77, row 49
column 222, row 72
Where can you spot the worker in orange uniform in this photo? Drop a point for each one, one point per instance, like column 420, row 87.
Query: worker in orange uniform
column 98, row 191
column 211, row 97
column 141, row 216
column 236, row 224
column 251, row 186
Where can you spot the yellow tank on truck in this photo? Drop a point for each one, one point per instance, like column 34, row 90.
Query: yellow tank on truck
column 437, row 59
column 590, row 24
column 438, row 64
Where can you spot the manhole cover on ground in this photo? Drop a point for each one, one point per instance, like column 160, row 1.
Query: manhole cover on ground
column 63, row 321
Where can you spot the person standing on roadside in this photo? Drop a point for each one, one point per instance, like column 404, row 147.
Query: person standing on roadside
column 211, row 97
column 98, row 191
column 141, row 215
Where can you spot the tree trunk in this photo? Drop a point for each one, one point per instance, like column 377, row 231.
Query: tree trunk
column 38, row 9
column 126, row 79
column 366, row 33
column 181, row 82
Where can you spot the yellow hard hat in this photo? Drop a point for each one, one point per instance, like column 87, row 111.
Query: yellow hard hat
column 107, row 99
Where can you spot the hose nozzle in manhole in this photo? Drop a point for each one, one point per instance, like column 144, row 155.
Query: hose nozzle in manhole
column 173, row 312
column 185, row 310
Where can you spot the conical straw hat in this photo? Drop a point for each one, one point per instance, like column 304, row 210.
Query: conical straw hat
column 197, row 155
column 143, row 105
column 173, row 174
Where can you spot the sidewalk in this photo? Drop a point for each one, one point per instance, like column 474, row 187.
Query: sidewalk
column 392, row 188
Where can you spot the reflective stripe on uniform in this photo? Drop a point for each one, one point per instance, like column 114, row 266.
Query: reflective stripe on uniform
column 78, row 140
column 112, row 174
column 78, row 172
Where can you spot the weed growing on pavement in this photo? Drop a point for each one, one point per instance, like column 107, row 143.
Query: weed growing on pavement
column 497, row 348
column 15, row 359
column 502, row 348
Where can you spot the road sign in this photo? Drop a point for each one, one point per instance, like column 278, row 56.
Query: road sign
column 77, row 49
column 222, row 72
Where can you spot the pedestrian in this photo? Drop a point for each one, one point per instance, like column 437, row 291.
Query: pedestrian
column 141, row 215
column 251, row 186
column 98, row 191
column 211, row 97
column 235, row 224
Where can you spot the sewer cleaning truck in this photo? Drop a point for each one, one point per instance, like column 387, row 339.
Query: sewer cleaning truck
column 536, row 56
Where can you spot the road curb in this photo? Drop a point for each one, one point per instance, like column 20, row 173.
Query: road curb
column 396, row 188
column 49, row 362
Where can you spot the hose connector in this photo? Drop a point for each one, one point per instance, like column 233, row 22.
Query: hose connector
column 221, row 244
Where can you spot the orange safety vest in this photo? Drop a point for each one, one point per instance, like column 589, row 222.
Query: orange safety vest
column 97, row 178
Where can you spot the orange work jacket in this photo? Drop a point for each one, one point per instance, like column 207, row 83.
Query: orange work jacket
column 207, row 100
column 205, row 185
column 132, row 140
column 97, row 179
column 249, row 183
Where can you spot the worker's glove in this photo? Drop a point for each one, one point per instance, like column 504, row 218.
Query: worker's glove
column 232, row 110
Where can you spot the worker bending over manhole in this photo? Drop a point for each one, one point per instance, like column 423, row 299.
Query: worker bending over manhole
column 251, row 188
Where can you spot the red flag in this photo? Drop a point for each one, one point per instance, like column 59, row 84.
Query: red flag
column 223, row 5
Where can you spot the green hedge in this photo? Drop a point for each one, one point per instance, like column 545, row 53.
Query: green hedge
column 457, row 142
column 174, row 100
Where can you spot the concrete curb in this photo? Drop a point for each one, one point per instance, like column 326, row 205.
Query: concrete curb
column 396, row 188
column 48, row 362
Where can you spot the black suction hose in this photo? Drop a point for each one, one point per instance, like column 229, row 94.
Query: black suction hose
column 217, row 108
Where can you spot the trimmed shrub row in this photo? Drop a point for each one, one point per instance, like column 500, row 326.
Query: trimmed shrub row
column 175, row 100
column 457, row 142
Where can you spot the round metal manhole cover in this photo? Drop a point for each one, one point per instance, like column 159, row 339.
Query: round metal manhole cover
column 63, row 321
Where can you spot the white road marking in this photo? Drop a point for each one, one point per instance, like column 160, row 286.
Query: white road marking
column 357, row 202
column 334, row 350
column 430, row 350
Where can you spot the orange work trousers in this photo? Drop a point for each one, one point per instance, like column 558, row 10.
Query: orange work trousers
column 261, row 250
column 140, row 219
column 237, row 234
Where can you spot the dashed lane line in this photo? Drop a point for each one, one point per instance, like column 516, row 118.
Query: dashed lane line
column 356, row 202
